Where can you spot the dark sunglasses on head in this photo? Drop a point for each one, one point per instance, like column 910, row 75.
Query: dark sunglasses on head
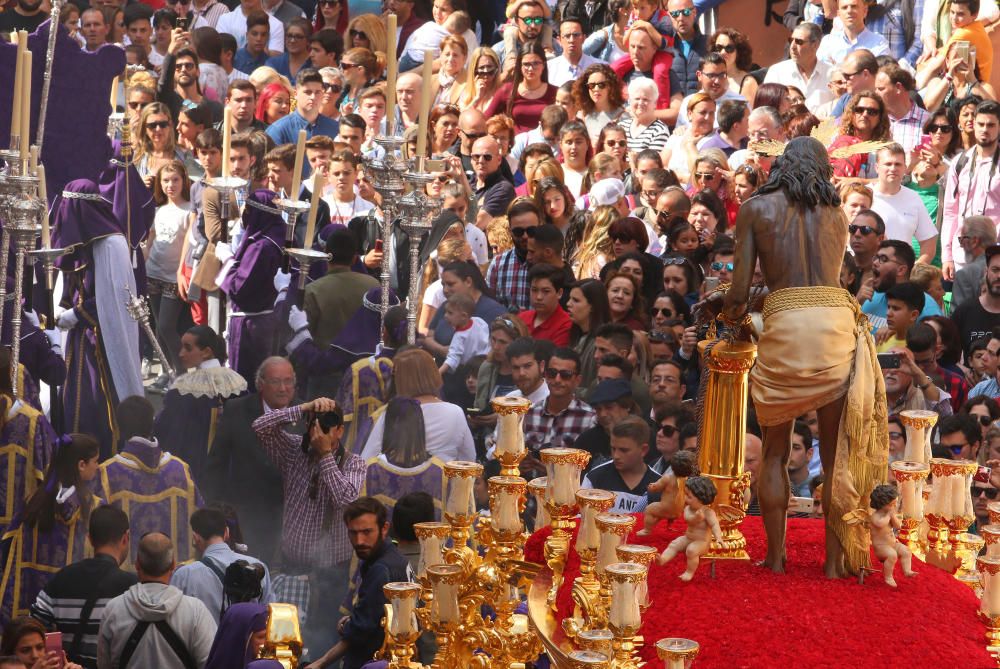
column 728, row 48
column 158, row 125
column 669, row 431
column 991, row 493
column 677, row 13
column 674, row 261
column 563, row 374
column 520, row 232
column 667, row 337
column 863, row 229
column 719, row 266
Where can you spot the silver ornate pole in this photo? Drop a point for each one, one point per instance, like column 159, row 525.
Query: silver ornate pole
column 416, row 210
column 24, row 221
column 50, row 53
column 138, row 310
column 305, row 258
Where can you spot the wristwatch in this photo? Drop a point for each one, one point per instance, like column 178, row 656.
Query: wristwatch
column 926, row 385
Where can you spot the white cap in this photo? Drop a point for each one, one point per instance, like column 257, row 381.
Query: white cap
column 607, row 191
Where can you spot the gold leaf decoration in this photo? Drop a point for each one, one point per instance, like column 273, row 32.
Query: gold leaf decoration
column 767, row 147
column 857, row 149
column 825, row 131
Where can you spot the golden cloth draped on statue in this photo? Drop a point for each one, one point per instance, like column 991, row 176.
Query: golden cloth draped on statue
column 815, row 347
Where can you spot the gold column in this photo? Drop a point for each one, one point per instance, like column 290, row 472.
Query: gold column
column 721, row 437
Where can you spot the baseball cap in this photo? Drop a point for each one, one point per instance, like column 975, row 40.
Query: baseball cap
column 607, row 191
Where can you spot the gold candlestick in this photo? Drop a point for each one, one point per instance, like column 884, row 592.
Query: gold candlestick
column 911, row 477
column 510, row 433
column 401, row 623
column 598, row 640
column 970, row 546
column 460, row 504
column 642, row 555
column 588, row 659
column 507, row 497
column 624, row 617
column 677, row 653
column 563, row 468
column 586, row 587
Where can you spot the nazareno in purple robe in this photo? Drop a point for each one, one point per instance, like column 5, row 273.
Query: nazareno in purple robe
column 192, row 407
column 155, row 489
column 232, row 648
column 249, row 284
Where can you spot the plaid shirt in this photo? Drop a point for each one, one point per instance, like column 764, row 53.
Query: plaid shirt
column 507, row 276
column 907, row 130
column 545, row 430
column 956, row 385
column 890, row 26
column 316, row 491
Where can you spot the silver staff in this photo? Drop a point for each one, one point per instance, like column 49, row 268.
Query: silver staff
column 138, row 310
column 416, row 210
column 50, row 53
column 24, row 219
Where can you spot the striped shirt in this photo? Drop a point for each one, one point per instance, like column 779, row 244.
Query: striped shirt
column 653, row 136
column 61, row 602
column 507, row 277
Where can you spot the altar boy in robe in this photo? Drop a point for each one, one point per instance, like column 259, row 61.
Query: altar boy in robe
column 152, row 486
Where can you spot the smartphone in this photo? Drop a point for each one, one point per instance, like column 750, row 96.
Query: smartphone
column 888, row 360
column 801, row 505
column 53, row 644
column 473, row 411
column 183, row 22
column 962, row 48
column 711, row 283
column 378, row 245
column 982, row 474
column 435, row 166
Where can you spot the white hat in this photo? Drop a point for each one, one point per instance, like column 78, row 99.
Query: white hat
column 607, row 191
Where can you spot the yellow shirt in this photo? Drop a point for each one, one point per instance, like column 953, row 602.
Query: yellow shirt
column 891, row 343
column 975, row 34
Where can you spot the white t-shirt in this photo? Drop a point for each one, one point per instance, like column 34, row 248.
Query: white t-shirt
column 429, row 36
column 434, row 295
column 468, row 343
column 476, row 239
column 905, row 216
column 343, row 212
column 446, row 433
column 170, row 225
column 235, row 23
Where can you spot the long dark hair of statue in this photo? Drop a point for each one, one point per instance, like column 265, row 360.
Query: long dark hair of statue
column 804, row 173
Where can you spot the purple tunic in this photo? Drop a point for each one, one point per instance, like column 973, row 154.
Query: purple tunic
column 26, row 447
column 33, row 556
column 155, row 489
column 387, row 482
column 361, row 394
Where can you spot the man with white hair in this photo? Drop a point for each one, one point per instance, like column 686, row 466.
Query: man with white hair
column 978, row 232
column 645, row 60
column 764, row 123
column 408, row 87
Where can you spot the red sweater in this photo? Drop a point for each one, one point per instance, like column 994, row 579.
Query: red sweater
column 555, row 328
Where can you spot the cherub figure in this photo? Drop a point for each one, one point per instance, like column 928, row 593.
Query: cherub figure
column 671, row 488
column 882, row 521
column 699, row 492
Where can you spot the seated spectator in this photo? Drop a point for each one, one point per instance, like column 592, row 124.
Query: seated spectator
column 627, row 475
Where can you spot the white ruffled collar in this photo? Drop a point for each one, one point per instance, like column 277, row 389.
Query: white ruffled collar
column 210, row 381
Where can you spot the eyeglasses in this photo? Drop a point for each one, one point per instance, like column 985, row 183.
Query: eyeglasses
column 332, row 88
column 473, row 136
column 895, row 435
column 863, row 229
column 531, row 64
column 616, row 143
column 597, row 85
column 883, row 258
column 486, row 72
column 347, row 66
column 714, row 76
column 728, row 48
column 563, row 374
column 869, row 111
column 719, row 266
column 532, row 20
column 705, row 175
column 991, row 493
column 520, row 232
column 184, row 66
column 291, row 37
column 674, row 261
column 157, row 125
column 358, row 33
column 485, row 157
column 677, row 13
column 931, row 129
column 666, row 313
column 669, row 431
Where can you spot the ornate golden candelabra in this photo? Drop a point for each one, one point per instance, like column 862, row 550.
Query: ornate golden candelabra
column 989, row 607
column 588, row 659
column 918, row 424
column 993, row 508
column 283, row 638
column 401, row 623
column 586, row 587
column 677, row 653
column 722, row 437
column 911, row 476
column 563, row 468
column 624, row 614
column 510, row 434
column 970, row 546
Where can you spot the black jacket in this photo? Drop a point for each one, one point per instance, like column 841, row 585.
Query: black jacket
column 363, row 632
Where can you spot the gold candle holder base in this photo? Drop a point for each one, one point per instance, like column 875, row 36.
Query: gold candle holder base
column 972, row 582
column 992, row 629
column 937, row 533
column 909, row 536
column 970, row 545
column 731, row 508
column 624, row 650
column 957, row 527
column 677, row 653
column 510, row 454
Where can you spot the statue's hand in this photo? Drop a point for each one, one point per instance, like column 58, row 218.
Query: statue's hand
column 710, row 306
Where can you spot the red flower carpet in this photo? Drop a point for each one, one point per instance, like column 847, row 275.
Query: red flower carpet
column 749, row 617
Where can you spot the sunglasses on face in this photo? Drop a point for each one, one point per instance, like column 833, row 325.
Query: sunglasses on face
column 985, row 420
column 358, row 33
column 332, row 88
column 616, row 143
column 347, row 66
column 677, row 13
column 991, row 493
column 797, row 41
column 719, row 266
column 597, row 85
column 666, row 313
column 867, row 111
column 728, row 48
column 863, row 229
column 520, row 232
column 486, row 72
column 443, row 178
column 473, row 136
column 621, row 239
column 563, row 374
column 485, row 157
column 931, row 129
column 957, row 450
column 184, row 66
column 135, row 105
column 668, row 431
column 705, row 176
column 158, row 125
column 532, row 20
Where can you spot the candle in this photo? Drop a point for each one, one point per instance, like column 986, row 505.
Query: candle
column 915, row 444
column 624, row 612
column 539, row 489
column 300, row 154
column 43, row 194
column 460, row 499
column 610, row 540
column 907, row 490
column 431, row 553
column 588, row 537
column 504, row 509
column 444, row 585
column 33, row 159
column 565, row 483
column 317, row 191
column 918, row 507
column 227, row 137
column 425, row 103
column 114, row 95
column 390, row 79
column 21, row 38
column 510, row 436
column 959, row 494
column 519, row 624
column 26, row 106
column 404, row 617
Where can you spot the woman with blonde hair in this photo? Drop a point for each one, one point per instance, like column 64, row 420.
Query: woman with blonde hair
column 482, row 79
column 264, row 75
column 156, row 143
column 417, row 412
column 547, row 167
column 596, row 247
column 498, row 235
column 451, row 75
column 368, row 32
column 710, row 170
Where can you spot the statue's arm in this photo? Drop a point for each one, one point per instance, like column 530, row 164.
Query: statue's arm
column 744, row 260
